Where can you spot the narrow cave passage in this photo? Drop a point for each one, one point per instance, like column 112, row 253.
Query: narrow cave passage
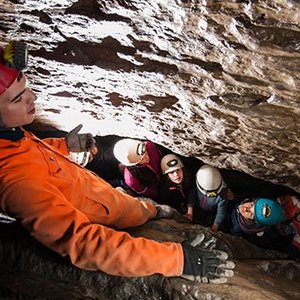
column 241, row 184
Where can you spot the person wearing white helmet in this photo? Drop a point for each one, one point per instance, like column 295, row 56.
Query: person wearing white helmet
column 176, row 183
column 207, row 203
column 140, row 164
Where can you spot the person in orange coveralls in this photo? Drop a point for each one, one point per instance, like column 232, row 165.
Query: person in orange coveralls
column 70, row 209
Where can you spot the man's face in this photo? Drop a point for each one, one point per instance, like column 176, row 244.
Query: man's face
column 247, row 210
column 17, row 106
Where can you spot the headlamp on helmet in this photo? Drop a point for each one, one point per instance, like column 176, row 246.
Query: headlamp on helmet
column 268, row 212
column 170, row 163
column 16, row 55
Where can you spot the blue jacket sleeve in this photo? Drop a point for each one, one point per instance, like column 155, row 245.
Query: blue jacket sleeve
column 221, row 211
column 235, row 226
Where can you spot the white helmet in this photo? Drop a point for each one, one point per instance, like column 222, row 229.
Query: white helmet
column 129, row 152
column 209, row 180
column 81, row 158
column 170, row 163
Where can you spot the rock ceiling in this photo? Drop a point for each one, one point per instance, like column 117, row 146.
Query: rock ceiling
column 218, row 80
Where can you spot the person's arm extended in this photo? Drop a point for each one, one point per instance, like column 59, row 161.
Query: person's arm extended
column 73, row 142
column 191, row 200
column 134, row 183
column 53, row 221
column 220, row 214
column 58, row 143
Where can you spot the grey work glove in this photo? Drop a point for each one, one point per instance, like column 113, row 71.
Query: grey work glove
column 205, row 265
column 79, row 142
column 168, row 212
column 163, row 211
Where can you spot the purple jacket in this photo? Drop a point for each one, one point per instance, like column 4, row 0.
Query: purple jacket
column 135, row 184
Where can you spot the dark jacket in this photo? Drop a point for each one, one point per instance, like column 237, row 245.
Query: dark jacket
column 210, row 205
column 173, row 194
column 240, row 225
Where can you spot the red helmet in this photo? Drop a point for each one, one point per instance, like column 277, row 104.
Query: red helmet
column 7, row 74
column 13, row 59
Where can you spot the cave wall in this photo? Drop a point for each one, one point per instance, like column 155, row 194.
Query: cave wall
column 218, row 80
column 30, row 271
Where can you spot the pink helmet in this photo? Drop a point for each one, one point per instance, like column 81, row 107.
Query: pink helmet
column 13, row 59
column 7, row 75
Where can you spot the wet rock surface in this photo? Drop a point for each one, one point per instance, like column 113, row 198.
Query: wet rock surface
column 218, row 80
column 29, row 271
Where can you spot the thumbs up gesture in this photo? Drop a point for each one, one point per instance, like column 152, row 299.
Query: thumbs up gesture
column 77, row 142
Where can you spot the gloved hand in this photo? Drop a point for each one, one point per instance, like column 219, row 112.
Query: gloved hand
column 200, row 241
column 164, row 211
column 204, row 265
column 79, row 142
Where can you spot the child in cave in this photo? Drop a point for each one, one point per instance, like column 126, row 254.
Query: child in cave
column 176, row 183
column 268, row 222
column 140, row 166
column 207, row 203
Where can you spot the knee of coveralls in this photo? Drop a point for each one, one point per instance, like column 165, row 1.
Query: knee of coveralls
column 128, row 211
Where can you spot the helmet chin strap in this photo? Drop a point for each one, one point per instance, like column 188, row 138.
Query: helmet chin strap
column 81, row 158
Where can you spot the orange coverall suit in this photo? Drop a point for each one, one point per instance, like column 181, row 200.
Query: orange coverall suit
column 75, row 213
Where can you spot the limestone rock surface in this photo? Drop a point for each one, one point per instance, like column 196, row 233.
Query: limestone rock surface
column 218, row 80
column 29, row 271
